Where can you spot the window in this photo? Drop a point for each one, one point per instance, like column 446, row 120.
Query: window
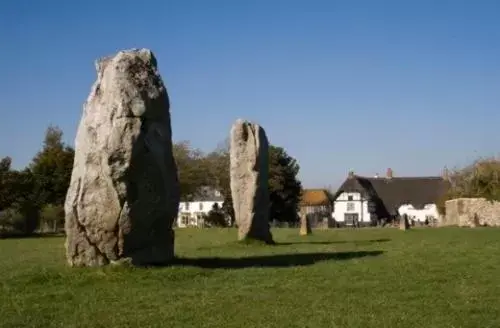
column 349, row 198
column 350, row 207
column 201, row 206
column 185, row 219
column 186, row 206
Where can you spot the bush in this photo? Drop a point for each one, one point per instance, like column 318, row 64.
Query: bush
column 12, row 222
column 216, row 217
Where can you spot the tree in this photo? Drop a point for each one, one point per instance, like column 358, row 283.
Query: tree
column 216, row 218
column 52, row 167
column 19, row 202
column 25, row 200
column 5, row 183
column 218, row 163
column 5, row 164
column 191, row 168
column 284, row 187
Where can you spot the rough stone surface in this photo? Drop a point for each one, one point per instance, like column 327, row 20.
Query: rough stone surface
column 471, row 212
column 305, row 225
column 249, row 171
column 403, row 222
column 124, row 191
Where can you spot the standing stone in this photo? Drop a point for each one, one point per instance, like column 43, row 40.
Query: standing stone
column 403, row 222
column 249, row 171
column 305, row 225
column 124, row 191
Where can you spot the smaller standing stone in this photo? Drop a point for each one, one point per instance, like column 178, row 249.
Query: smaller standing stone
column 403, row 222
column 249, row 172
column 305, row 225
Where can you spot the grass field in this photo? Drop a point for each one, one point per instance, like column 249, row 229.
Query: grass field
column 338, row 278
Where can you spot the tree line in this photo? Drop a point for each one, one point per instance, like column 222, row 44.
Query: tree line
column 32, row 199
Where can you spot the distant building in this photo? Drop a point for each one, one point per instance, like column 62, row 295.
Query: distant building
column 317, row 206
column 192, row 212
column 365, row 201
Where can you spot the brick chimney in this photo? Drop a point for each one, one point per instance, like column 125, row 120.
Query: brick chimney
column 389, row 173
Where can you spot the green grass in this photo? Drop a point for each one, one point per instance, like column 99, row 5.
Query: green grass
column 338, row 278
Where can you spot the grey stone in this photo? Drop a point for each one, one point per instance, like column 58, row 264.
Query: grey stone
column 305, row 225
column 124, row 191
column 249, row 171
column 403, row 222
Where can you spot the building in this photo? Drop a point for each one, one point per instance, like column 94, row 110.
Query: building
column 317, row 205
column 365, row 201
column 192, row 213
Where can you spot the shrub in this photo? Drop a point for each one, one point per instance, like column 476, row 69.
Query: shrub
column 216, row 217
column 12, row 222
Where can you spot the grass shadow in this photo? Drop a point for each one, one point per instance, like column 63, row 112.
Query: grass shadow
column 271, row 261
column 383, row 240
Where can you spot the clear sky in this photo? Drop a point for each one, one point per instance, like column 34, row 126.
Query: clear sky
column 361, row 85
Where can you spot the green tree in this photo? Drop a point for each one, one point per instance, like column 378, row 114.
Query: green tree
column 216, row 217
column 19, row 201
column 284, row 187
column 191, row 169
column 5, row 182
column 52, row 167
column 217, row 163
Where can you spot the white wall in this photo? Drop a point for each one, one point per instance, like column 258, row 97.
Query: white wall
column 193, row 211
column 360, row 206
column 419, row 215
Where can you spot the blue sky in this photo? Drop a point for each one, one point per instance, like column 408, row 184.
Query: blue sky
column 361, row 85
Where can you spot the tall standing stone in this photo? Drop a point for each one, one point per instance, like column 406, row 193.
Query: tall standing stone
column 249, row 157
column 403, row 222
column 124, row 191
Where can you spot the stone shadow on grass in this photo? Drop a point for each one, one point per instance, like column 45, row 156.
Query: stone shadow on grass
column 271, row 261
column 332, row 242
column 383, row 240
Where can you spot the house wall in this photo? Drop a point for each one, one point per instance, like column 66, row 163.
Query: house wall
column 191, row 213
column 344, row 205
column 419, row 215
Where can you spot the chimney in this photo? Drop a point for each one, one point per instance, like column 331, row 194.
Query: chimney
column 389, row 173
column 351, row 174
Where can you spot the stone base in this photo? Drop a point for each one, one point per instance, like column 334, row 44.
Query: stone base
column 160, row 253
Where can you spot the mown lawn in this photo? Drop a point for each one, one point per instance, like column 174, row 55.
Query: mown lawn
column 339, row 278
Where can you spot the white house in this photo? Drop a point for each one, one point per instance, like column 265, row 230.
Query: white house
column 351, row 207
column 428, row 213
column 364, row 201
column 191, row 213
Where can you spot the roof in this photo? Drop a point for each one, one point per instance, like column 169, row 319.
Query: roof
column 390, row 193
column 314, row 197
